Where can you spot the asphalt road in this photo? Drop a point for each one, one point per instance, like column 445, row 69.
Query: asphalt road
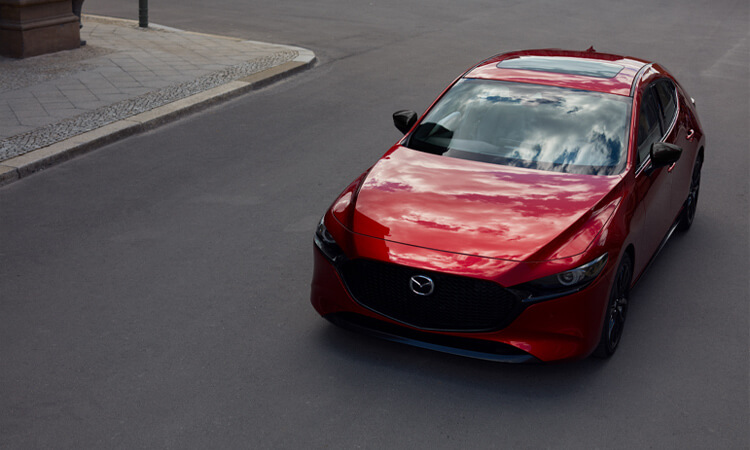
column 154, row 293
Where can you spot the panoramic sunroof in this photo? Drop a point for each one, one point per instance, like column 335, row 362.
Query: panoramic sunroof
column 571, row 66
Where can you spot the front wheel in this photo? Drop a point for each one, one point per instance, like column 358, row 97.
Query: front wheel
column 691, row 203
column 617, row 310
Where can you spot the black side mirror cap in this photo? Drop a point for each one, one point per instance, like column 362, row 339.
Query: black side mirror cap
column 663, row 154
column 404, row 120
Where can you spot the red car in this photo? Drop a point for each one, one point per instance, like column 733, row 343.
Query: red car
column 512, row 220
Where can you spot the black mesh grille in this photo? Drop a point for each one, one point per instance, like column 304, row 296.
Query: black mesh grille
column 457, row 303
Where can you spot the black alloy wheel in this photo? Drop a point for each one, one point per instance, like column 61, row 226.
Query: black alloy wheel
column 617, row 310
column 691, row 203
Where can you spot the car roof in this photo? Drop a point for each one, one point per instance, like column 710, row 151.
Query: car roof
column 586, row 70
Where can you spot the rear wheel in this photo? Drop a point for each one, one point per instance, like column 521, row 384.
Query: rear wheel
column 691, row 203
column 617, row 310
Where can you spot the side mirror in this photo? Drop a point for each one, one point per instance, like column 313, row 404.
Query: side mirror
column 404, row 120
column 663, row 154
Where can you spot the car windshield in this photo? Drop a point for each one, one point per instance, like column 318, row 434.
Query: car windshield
column 528, row 125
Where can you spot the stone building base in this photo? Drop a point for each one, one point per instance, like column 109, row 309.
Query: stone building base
column 35, row 27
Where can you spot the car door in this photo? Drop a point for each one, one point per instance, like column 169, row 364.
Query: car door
column 678, row 131
column 653, row 185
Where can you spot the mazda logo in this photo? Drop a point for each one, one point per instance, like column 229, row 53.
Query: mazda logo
column 421, row 285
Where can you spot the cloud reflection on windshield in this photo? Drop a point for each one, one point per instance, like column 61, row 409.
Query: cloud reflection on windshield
column 530, row 126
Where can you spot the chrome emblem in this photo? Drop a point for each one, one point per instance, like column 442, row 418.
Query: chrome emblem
column 421, row 285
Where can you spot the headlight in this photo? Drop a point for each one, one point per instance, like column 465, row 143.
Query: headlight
column 563, row 283
column 327, row 244
column 322, row 233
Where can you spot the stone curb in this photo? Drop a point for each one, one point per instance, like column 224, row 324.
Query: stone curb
column 24, row 165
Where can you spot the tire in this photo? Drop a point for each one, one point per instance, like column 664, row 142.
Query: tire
column 691, row 203
column 617, row 310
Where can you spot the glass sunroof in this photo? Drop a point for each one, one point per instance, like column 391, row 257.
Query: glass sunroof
column 571, row 66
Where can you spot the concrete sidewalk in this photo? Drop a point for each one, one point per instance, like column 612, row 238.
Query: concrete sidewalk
column 125, row 80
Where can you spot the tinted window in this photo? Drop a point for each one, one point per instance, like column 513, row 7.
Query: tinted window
column 649, row 130
column 525, row 125
column 665, row 90
column 572, row 66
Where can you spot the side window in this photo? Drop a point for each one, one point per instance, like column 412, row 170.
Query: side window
column 665, row 90
column 649, row 129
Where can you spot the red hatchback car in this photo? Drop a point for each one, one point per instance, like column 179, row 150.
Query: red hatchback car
column 515, row 215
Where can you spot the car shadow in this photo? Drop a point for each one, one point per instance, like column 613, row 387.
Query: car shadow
column 372, row 361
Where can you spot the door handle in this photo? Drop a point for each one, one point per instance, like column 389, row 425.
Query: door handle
column 690, row 135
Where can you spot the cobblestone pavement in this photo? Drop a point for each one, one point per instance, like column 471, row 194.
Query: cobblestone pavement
column 123, row 70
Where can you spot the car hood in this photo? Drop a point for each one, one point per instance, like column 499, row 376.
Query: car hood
column 481, row 209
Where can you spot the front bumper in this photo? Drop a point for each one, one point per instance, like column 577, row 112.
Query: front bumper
column 472, row 348
column 565, row 328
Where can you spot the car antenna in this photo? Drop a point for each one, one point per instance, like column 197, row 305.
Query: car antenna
column 591, row 49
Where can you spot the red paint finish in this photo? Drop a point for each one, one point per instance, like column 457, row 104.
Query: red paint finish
column 552, row 330
column 512, row 225
column 470, row 207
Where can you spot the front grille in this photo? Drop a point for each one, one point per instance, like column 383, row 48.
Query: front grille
column 457, row 303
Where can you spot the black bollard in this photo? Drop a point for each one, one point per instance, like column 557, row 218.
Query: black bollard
column 143, row 13
column 77, row 6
